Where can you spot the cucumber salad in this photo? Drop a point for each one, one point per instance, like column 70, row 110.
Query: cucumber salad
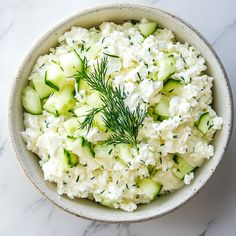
column 120, row 114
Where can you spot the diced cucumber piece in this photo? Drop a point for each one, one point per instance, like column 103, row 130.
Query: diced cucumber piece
column 204, row 122
column 70, row 158
column 168, row 180
column 43, row 101
column 181, row 167
column 124, row 151
column 121, row 163
column 82, row 112
column 83, row 85
column 166, row 68
column 85, row 142
column 148, row 28
column 151, row 112
column 151, row 169
column 54, row 77
column 106, row 202
column 157, row 156
column 40, row 87
column 99, row 122
column 162, row 108
column 83, row 149
column 172, row 87
column 31, row 101
column 71, row 126
column 71, row 63
column 161, row 118
column 150, row 187
column 104, row 151
column 61, row 102
column 93, row 100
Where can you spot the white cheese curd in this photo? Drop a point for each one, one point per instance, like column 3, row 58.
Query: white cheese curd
column 188, row 178
column 156, row 76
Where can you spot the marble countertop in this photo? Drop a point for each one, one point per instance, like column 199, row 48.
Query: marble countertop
column 24, row 211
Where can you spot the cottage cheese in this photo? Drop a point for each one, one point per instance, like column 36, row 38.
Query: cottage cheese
column 135, row 67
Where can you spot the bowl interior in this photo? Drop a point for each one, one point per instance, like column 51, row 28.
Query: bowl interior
column 91, row 18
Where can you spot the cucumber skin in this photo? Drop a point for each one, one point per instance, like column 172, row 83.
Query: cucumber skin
column 29, row 95
column 59, row 80
column 42, row 88
column 50, row 84
column 203, row 123
column 147, row 184
column 86, row 147
column 71, row 159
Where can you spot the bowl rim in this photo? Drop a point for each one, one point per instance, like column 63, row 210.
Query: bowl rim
column 77, row 14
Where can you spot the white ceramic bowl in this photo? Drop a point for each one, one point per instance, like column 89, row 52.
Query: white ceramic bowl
column 119, row 13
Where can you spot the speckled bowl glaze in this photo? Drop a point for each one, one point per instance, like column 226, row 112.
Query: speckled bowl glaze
column 120, row 13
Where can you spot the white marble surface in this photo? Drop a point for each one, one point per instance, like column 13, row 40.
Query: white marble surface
column 23, row 211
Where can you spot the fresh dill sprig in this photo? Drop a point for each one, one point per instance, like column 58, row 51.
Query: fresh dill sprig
column 123, row 122
column 88, row 121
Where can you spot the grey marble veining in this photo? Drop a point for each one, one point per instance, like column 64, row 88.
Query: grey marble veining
column 4, row 33
column 222, row 34
column 24, row 212
column 2, row 145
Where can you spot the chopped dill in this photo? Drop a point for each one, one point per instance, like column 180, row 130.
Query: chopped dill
column 110, row 55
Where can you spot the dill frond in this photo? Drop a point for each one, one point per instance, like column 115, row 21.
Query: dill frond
column 123, row 122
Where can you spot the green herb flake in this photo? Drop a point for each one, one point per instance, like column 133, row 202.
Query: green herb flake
column 55, row 62
column 110, row 55
column 77, row 179
column 88, row 49
column 182, row 58
column 210, row 127
column 42, row 65
column 82, row 48
column 139, row 76
column 103, row 39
